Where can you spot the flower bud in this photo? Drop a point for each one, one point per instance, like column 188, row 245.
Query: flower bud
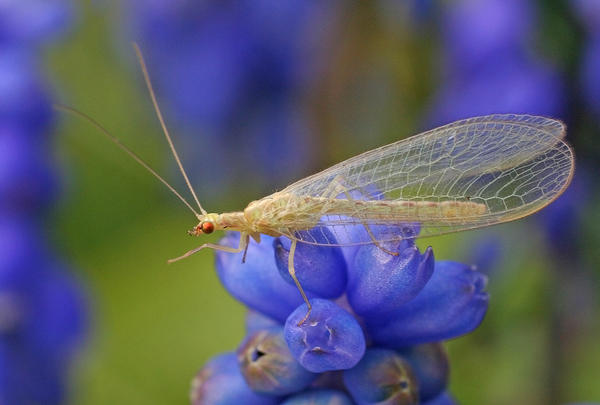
column 382, row 377
column 451, row 304
column 320, row 269
column 268, row 366
column 330, row 339
column 257, row 282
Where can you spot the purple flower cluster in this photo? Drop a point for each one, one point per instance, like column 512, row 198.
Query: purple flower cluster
column 41, row 315
column 236, row 73
column 491, row 65
column 373, row 335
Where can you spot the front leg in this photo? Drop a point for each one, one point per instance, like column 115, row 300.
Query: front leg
column 242, row 246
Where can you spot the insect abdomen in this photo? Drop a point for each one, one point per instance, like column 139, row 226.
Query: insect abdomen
column 404, row 210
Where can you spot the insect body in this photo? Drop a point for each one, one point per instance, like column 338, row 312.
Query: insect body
column 469, row 174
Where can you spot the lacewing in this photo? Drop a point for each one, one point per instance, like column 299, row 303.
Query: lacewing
column 465, row 175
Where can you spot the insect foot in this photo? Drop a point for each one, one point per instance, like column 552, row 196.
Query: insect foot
column 366, row 301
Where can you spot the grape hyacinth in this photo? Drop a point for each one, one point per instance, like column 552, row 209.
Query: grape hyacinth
column 41, row 305
column 373, row 336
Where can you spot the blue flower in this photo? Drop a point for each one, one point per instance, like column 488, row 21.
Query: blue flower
column 451, row 304
column 380, row 282
column 268, row 366
column 257, row 282
column 320, row 271
column 42, row 310
column 391, row 303
column 329, row 339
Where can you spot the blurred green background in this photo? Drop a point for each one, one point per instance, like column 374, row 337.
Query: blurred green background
column 153, row 326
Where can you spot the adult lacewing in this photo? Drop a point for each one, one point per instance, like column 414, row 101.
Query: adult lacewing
column 468, row 174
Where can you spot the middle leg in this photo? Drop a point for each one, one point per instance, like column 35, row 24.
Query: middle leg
column 292, row 272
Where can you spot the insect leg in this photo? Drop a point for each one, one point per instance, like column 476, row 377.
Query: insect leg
column 246, row 247
column 336, row 185
column 242, row 246
column 292, row 272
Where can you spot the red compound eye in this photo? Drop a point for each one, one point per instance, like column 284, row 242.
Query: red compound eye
column 207, row 227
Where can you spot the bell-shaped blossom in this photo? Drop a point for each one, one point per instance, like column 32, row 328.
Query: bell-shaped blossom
column 329, row 339
column 452, row 303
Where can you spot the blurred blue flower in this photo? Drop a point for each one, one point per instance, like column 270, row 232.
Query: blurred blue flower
column 563, row 219
column 486, row 253
column 490, row 64
column 589, row 74
column 24, row 102
column 27, row 182
column 588, row 12
column 235, row 73
column 443, row 399
column 477, row 33
column 34, row 21
column 429, row 363
column 42, row 309
column 515, row 84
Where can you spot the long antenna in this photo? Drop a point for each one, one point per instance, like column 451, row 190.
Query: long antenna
column 162, row 122
column 117, row 142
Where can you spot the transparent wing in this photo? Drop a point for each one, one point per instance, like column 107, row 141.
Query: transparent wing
column 491, row 169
